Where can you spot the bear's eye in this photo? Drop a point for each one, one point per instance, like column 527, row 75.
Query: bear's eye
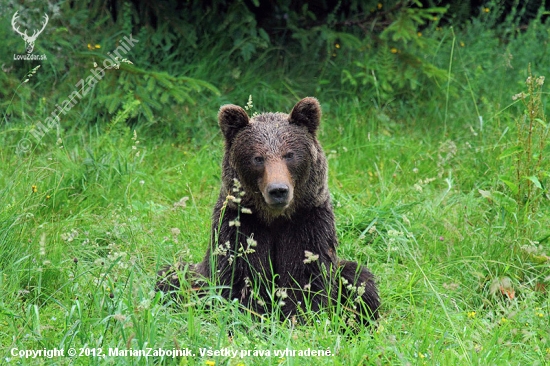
column 258, row 160
column 289, row 156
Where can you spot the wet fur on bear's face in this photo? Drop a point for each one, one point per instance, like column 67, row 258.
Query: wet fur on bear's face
column 273, row 155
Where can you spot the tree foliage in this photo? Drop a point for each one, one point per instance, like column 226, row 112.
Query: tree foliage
column 189, row 52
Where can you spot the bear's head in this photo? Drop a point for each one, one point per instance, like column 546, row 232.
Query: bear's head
column 276, row 157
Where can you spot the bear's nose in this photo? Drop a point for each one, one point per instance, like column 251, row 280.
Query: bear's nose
column 278, row 193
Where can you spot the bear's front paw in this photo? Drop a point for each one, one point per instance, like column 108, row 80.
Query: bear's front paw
column 169, row 279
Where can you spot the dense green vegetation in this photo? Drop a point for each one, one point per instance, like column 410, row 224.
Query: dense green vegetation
column 436, row 137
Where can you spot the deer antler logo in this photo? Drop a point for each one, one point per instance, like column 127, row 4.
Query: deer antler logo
column 29, row 40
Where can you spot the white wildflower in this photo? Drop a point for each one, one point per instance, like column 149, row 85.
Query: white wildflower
column 310, row 257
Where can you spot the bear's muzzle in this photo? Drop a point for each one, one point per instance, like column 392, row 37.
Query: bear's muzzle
column 276, row 185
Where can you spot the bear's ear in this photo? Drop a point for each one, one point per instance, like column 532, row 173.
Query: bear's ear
column 306, row 112
column 232, row 119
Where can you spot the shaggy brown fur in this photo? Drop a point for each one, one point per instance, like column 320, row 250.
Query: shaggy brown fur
column 273, row 224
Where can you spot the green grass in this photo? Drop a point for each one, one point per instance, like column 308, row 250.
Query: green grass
column 434, row 248
column 80, row 251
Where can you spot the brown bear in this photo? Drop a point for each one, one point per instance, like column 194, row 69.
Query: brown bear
column 273, row 241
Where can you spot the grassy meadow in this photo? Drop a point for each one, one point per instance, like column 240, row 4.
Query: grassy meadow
column 441, row 191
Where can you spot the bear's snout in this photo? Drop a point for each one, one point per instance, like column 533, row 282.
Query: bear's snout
column 276, row 185
column 278, row 193
column 278, row 196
